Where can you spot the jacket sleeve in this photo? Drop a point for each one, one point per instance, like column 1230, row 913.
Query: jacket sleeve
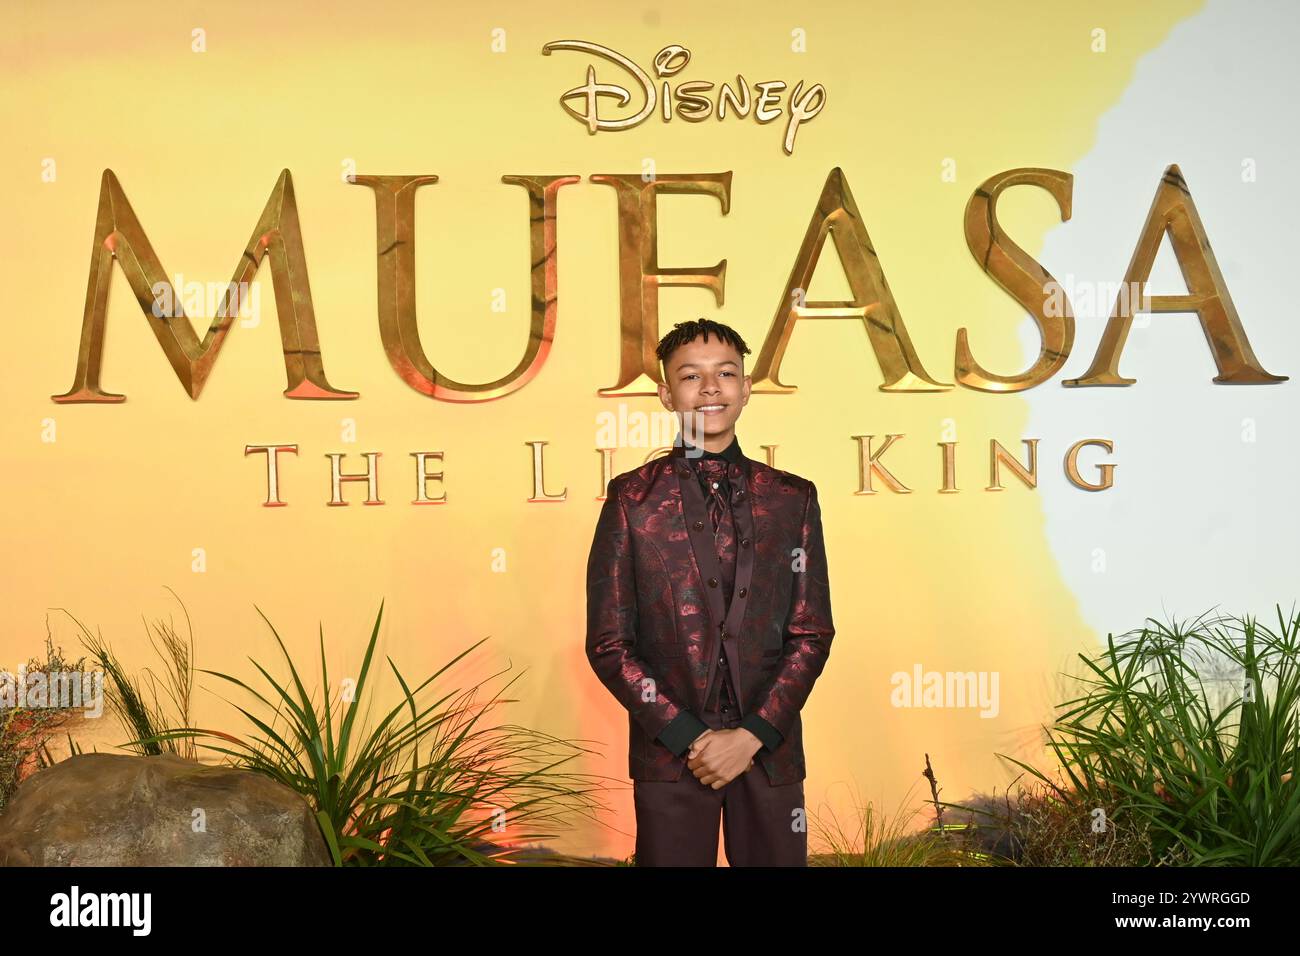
column 808, row 628
column 768, row 735
column 611, row 633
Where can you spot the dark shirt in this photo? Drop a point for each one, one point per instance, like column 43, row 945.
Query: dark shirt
column 731, row 454
column 685, row 727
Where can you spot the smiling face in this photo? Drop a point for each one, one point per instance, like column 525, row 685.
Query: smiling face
column 707, row 388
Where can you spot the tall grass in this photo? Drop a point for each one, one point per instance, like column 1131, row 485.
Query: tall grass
column 875, row 838
column 146, row 704
column 1192, row 732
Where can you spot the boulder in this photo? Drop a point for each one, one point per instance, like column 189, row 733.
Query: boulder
column 123, row 810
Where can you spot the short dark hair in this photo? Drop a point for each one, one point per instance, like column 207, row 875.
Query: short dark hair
column 684, row 332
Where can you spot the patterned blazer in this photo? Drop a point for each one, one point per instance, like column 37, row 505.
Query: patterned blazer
column 655, row 612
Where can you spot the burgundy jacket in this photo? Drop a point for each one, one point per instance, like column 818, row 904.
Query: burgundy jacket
column 655, row 611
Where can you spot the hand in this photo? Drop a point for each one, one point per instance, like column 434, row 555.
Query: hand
column 719, row 756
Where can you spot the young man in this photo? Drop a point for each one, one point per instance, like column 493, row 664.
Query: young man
column 709, row 620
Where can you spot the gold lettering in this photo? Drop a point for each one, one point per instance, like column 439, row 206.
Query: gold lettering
column 949, row 468
column 873, row 304
column 869, row 463
column 370, row 476
column 1173, row 212
column 1072, row 465
column 272, row 453
column 1024, row 279
column 539, row 475
column 120, row 237
column 422, row 477
column 639, row 275
column 395, row 224
column 998, row 454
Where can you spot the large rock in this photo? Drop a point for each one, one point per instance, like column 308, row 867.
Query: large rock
column 120, row 810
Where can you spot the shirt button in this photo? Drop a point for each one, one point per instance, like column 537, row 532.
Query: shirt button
column 699, row 525
column 744, row 591
column 744, row 542
column 713, row 582
column 715, row 486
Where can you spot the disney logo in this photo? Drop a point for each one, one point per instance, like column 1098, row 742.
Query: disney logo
column 692, row 101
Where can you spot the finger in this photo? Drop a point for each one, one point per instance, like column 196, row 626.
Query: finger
column 717, row 779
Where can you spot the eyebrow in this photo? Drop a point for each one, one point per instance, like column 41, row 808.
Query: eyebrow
column 686, row 365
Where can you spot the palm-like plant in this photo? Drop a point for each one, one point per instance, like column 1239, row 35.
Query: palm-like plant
column 423, row 787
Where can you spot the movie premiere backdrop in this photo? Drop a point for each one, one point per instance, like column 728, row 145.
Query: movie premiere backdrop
column 1015, row 277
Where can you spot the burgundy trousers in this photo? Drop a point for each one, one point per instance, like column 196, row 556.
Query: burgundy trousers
column 762, row 825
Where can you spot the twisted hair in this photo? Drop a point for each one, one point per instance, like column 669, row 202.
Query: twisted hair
column 684, row 332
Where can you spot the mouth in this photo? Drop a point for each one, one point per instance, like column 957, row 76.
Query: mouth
column 711, row 409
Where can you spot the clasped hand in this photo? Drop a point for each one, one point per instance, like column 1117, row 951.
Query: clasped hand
column 717, row 757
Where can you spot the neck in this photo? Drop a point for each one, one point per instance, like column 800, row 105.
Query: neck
column 717, row 443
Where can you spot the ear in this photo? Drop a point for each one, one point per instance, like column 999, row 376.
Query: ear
column 666, row 397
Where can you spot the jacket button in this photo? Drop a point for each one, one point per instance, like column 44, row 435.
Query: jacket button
column 699, row 526
column 713, row 582
column 744, row 591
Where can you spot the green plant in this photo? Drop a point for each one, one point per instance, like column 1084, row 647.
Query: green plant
column 423, row 787
column 147, row 704
column 1192, row 731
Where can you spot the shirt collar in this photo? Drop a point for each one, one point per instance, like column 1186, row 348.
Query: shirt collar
column 731, row 453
